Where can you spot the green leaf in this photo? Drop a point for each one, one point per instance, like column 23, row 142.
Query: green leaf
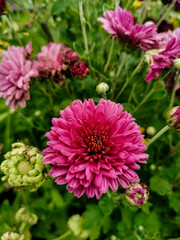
column 159, row 85
column 57, row 198
column 128, row 107
column 157, row 94
column 78, row 49
column 92, row 216
column 59, row 6
column 106, row 205
column 160, row 185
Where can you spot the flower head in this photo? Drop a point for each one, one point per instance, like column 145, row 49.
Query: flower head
column 75, row 224
column 16, row 72
column 120, row 24
column 93, row 148
column 53, row 60
column 80, row 69
column 137, row 194
column 173, row 118
column 12, row 236
column 23, row 167
column 102, row 88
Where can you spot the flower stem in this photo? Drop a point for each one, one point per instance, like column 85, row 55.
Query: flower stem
column 144, row 10
column 83, row 26
column 118, row 73
column 63, row 236
column 117, row 3
column 128, row 4
column 110, row 55
column 136, row 70
column 174, row 91
column 131, row 93
column 161, row 132
column 165, row 13
column 144, row 100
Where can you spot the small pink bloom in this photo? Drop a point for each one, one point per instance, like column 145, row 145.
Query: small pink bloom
column 93, row 148
column 173, row 118
column 137, row 194
column 15, row 75
column 120, row 24
column 80, row 69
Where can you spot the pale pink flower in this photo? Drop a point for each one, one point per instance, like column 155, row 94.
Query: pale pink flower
column 53, row 60
column 16, row 72
column 93, row 148
column 163, row 59
column 120, row 24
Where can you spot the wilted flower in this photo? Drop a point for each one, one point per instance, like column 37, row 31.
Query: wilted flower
column 75, row 224
column 3, row 6
column 137, row 194
column 53, row 60
column 93, row 148
column 120, row 24
column 80, row 69
column 23, row 167
column 16, row 71
column 102, row 88
column 12, row 236
column 173, row 118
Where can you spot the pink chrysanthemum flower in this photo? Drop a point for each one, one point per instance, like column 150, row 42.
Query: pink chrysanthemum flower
column 120, row 24
column 53, row 59
column 93, row 148
column 162, row 59
column 16, row 71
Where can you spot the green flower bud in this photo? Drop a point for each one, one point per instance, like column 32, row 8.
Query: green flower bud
column 12, row 236
column 27, row 218
column 173, row 118
column 177, row 63
column 102, row 88
column 151, row 130
column 23, row 167
column 75, row 224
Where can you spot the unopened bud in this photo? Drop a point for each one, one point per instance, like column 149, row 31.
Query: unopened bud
column 75, row 224
column 23, row 167
column 173, row 118
column 137, row 194
column 12, row 236
column 151, row 130
column 177, row 63
column 102, row 88
column 25, row 217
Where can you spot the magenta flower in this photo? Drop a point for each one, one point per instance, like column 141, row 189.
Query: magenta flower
column 53, row 60
column 80, row 69
column 163, row 59
column 93, row 148
column 120, row 24
column 137, row 194
column 16, row 72
column 173, row 118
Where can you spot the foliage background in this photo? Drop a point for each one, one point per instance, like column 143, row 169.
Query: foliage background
column 41, row 21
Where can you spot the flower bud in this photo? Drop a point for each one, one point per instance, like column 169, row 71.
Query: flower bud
column 102, row 88
column 75, row 224
column 12, row 236
column 177, row 63
column 151, row 130
column 80, row 69
column 23, row 167
column 137, row 194
column 173, row 118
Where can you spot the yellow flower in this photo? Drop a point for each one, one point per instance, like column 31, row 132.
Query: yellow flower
column 142, row 130
column 137, row 3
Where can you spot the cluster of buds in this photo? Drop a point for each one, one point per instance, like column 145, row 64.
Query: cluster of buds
column 12, row 236
column 173, row 118
column 23, row 167
column 137, row 194
column 80, row 70
column 102, row 88
column 75, row 224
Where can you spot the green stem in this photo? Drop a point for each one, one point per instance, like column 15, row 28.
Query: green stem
column 144, row 100
column 117, row 2
column 131, row 93
column 45, row 94
column 118, row 73
column 110, row 55
column 166, row 12
column 161, row 132
column 136, row 70
column 63, row 236
column 128, row 4
column 174, row 91
column 83, row 26
column 144, row 10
